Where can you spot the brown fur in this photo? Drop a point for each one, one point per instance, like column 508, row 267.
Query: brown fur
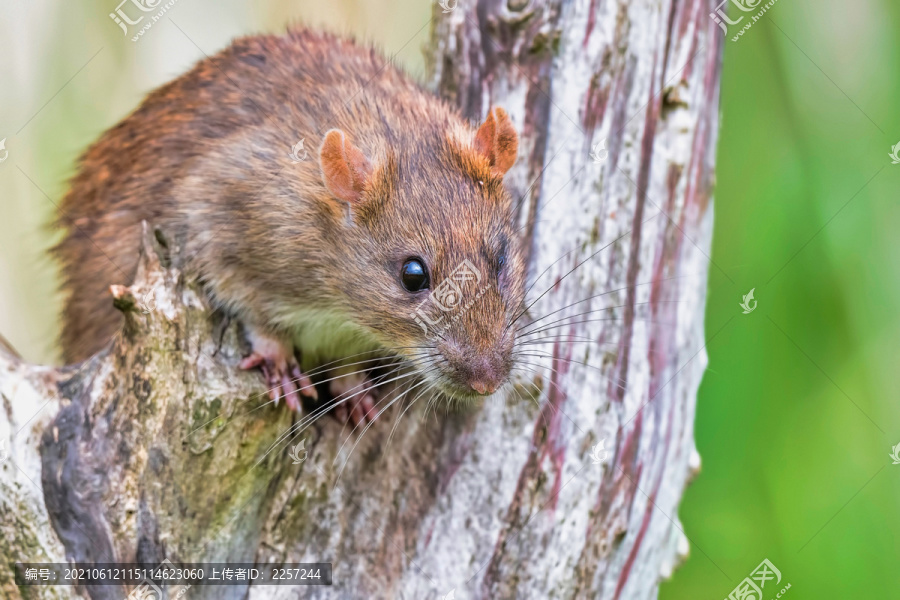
column 206, row 159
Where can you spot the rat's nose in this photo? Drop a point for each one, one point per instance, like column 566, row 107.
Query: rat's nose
column 484, row 374
column 482, row 370
column 485, row 380
column 483, row 388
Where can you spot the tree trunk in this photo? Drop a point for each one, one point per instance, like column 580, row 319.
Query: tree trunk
column 152, row 449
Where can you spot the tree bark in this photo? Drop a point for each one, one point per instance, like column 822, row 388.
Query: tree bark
column 152, row 449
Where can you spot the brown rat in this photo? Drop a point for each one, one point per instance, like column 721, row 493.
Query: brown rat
column 393, row 236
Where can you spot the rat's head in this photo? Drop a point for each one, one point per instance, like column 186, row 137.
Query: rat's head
column 434, row 270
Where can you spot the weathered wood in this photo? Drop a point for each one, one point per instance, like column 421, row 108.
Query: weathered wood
column 152, row 448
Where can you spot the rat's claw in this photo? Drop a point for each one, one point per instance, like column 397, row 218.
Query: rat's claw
column 355, row 394
column 356, row 414
column 366, row 409
column 253, row 361
column 272, row 387
column 304, row 383
column 290, row 390
column 281, row 371
column 363, row 410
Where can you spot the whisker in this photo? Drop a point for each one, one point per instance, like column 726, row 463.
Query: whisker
column 636, row 320
column 564, row 338
column 572, row 360
column 363, row 433
column 416, row 372
column 304, row 423
column 534, row 396
column 391, row 360
column 322, row 368
column 425, row 391
column 381, row 351
column 426, row 364
column 596, row 310
column 604, row 294
column 557, row 337
column 307, row 421
column 396, row 364
column 409, row 406
column 571, row 271
column 557, row 409
column 279, row 398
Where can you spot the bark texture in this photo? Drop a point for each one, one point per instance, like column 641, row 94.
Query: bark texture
column 156, row 448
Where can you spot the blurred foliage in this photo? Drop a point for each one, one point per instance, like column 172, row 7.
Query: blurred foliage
column 795, row 416
column 795, row 420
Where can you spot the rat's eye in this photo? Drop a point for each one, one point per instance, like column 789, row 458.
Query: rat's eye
column 501, row 262
column 413, row 275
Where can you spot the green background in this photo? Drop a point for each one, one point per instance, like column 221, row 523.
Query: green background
column 797, row 412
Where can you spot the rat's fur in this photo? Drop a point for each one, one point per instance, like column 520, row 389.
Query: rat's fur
column 206, row 159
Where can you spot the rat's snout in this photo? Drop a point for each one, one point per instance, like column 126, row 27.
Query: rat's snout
column 477, row 371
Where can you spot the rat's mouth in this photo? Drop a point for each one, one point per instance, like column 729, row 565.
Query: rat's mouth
column 447, row 385
column 456, row 391
column 458, row 385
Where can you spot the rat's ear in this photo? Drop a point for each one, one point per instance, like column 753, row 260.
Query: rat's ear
column 498, row 141
column 345, row 169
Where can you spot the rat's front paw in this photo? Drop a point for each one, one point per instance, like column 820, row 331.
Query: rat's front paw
column 280, row 368
column 354, row 395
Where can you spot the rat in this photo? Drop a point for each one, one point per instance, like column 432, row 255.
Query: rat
column 328, row 202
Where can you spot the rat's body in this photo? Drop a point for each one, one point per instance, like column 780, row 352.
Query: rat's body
column 304, row 251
